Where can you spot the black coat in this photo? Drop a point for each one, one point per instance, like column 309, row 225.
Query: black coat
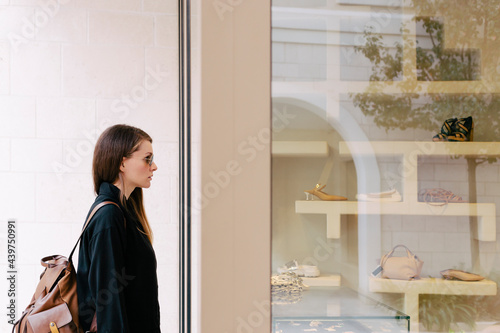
column 117, row 271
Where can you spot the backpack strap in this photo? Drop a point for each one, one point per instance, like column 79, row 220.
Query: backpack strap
column 96, row 208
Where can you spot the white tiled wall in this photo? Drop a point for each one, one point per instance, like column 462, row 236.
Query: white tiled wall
column 86, row 66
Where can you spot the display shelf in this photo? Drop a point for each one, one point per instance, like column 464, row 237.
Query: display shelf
column 338, row 309
column 486, row 212
column 413, row 288
column 322, row 281
column 300, row 149
column 415, row 148
column 410, row 151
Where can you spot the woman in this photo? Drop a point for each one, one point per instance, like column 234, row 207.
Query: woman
column 116, row 275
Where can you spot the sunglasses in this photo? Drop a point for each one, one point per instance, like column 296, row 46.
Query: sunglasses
column 149, row 159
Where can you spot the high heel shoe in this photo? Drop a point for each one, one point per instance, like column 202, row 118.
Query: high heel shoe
column 322, row 195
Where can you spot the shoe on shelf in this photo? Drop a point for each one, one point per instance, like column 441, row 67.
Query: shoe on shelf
column 455, row 274
column 463, row 130
column 456, row 129
column 438, row 196
column 299, row 270
column 446, row 130
column 317, row 191
column 387, row 196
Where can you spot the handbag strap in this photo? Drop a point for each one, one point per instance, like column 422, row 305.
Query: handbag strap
column 96, row 208
column 388, row 255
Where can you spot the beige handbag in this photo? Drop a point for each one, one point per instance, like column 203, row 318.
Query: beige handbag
column 401, row 268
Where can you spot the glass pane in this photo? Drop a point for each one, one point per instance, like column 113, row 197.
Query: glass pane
column 384, row 134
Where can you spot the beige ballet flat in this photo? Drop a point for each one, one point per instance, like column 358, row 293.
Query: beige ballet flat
column 322, row 195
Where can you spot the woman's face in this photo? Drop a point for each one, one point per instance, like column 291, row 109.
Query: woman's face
column 137, row 170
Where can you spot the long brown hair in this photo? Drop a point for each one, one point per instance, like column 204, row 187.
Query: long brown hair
column 115, row 143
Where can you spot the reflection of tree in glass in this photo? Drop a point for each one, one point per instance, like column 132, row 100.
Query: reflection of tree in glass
column 471, row 53
column 415, row 106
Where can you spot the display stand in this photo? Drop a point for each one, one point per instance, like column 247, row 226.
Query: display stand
column 414, row 288
column 410, row 151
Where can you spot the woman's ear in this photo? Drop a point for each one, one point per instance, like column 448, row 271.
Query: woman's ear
column 122, row 165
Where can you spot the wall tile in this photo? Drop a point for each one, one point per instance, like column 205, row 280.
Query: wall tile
column 5, row 153
column 279, row 70
column 160, row 6
column 125, row 5
column 431, row 241
column 492, row 189
column 291, row 53
column 4, row 68
column 158, row 199
column 489, row 263
column 25, row 279
column 31, row 155
column 319, row 54
column 14, row 22
column 166, row 239
column 459, row 188
column 64, row 118
column 121, row 28
column 166, row 157
column 101, row 71
column 445, row 173
column 157, row 118
column 391, row 223
column 77, row 156
column 447, row 260
column 386, row 241
column 166, row 29
column 410, row 239
column 161, row 73
column 36, row 70
column 457, row 242
column 426, row 172
column 43, row 232
column 292, row 71
column 72, row 194
column 17, row 119
column 304, row 54
column 413, row 223
column 440, row 223
column 17, row 196
column 64, row 25
column 278, row 52
column 487, row 172
column 463, row 225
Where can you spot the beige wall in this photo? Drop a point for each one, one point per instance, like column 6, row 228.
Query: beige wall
column 235, row 167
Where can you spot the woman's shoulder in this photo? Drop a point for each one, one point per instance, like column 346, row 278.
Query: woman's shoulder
column 107, row 216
